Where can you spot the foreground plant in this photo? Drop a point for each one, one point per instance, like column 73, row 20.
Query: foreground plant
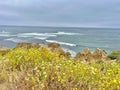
column 41, row 69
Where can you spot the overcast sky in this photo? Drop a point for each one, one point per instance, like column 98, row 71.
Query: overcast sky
column 85, row 13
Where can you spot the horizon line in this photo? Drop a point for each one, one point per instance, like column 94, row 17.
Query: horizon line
column 51, row 26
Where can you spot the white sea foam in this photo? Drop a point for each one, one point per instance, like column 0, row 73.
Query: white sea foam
column 64, row 33
column 47, row 34
column 6, row 35
column 41, row 38
column 24, row 36
column 37, row 34
column 73, row 53
column 4, row 32
column 63, row 43
column 14, row 40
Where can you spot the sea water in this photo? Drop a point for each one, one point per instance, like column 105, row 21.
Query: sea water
column 72, row 39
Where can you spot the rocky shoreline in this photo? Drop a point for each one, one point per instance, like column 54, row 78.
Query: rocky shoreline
column 86, row 55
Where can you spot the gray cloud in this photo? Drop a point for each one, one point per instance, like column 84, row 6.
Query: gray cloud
column 60, row 12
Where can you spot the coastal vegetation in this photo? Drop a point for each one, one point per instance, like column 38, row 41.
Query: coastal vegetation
column 31, row 66
column 115, row 55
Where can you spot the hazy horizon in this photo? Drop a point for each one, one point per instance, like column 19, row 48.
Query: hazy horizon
column 89, row 27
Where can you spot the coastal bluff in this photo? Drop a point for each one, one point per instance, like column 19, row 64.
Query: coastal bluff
column 85, row 56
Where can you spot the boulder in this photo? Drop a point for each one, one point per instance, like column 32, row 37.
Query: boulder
column 88, row 56
column 68, row 54
column 86, row 51
column 27, row 45
column 84, row 55
column 55, row 47
column 80, row 56
column 99, row 54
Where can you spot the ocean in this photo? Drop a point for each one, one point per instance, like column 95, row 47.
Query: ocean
column 72, row 39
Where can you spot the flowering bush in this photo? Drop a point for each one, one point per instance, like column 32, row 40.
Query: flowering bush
column 41, row 69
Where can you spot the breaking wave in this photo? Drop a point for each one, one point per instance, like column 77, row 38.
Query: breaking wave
column 41, row 38
column 73, row 53
column 37, row 34
column 66, row 33
column 14, row 40
column 46, row 34
column 5, row 34
column 63, row 43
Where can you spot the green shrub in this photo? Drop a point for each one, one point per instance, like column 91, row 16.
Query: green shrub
column 114, row 55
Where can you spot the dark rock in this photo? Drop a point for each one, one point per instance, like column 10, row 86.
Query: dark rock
column 68, row 54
